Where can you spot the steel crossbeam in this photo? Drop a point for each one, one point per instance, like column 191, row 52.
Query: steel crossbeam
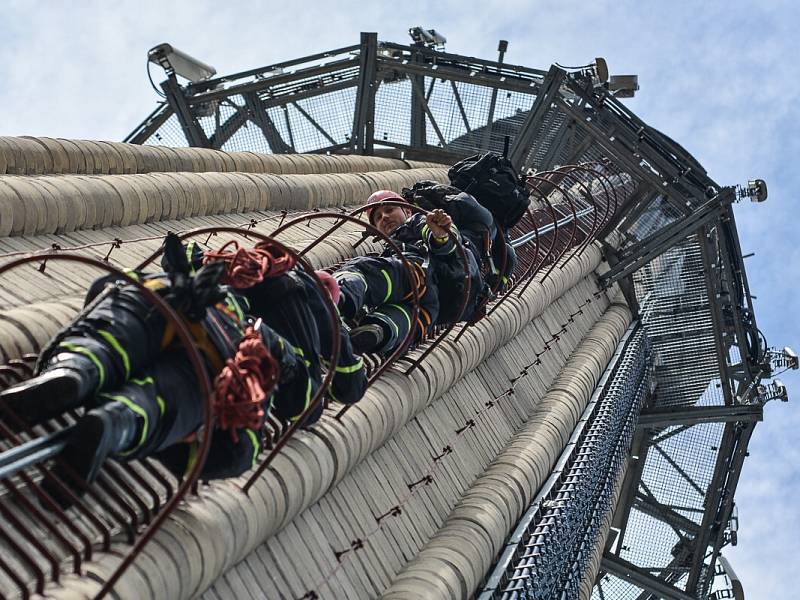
column 640, row 578
column 671, row 417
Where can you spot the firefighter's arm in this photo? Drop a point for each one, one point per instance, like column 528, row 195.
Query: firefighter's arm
column 437, row 232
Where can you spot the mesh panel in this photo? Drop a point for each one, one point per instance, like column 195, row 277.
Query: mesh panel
column 248, row 137
column 510, row 111
column 169, row 134
column 393, row 113
column 677, row 315
column 552, row 557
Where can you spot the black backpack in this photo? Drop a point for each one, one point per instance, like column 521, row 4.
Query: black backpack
column 495, row 183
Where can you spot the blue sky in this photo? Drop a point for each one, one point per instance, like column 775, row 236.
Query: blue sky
column 719, row 77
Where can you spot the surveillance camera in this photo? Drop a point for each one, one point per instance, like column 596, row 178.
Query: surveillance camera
column 180, row 63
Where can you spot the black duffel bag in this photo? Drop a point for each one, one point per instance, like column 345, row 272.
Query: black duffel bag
column 495, row 183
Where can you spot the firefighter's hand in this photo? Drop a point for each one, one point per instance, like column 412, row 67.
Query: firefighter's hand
column 439, row 223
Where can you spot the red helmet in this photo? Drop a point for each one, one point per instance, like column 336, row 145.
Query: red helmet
column 380, row 196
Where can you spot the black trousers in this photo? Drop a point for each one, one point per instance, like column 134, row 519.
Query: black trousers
column 382, row 286
column 123, row 341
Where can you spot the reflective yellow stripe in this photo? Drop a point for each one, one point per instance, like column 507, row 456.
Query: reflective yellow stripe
column 404, row 311
column 91, row 356
column 234, row 306
column 189, row 251
column 192, row 458
column 352, row 368
column 256, row 446
column 308, row 401
column 424, row 232
column 298, row 350
column 388, row 285
column 126, row 362
column 162, row 407
column 132, row 274
column 139, row 411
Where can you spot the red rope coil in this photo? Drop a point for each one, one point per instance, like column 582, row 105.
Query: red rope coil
column 246, row 267
column 244, row 384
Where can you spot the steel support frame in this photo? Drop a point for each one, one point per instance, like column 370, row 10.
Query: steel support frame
column 714, row 294
column 629, row 158
column 209, row 84
column 533, row 121
column 719, row 500
column 633, row 257
column 637, row 204
column 258, row 114
column 673, row 163
column 150, row 125
column 460, row 104
column 469, row 62
column 458, row 73
column 629, row 572
column 194, row 133
column 672, row 417
column 418, row 138
column 744, row 371
column 363, row 134
column 630, row 486
column 226, row 130
column 420, row 101
column 232, row 124
column 648, row 505
column 262, row 85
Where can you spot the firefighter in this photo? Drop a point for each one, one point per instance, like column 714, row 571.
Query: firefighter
column 292, row 305
column 121, row 361
column 381, row 286
column 483, row 235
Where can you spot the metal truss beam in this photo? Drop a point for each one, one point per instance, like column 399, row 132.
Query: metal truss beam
column 719, row 497
column 671, row 417
column 194, row 133
column 713, row 293
column 630, row 486
column 629, row 158
column 636, row 205
column 258, row 114
column 209, row 84
column 314, row 124
column 648, row 505
column 730, row 262
column 262, row 85
column 361, row 140
column 633, row 257
column 419, row 93
column 226, row 130
column 460, row 105
column 487, row 130
column 150, row 125
column 680, row 172
column 642, row 579
column 533, row 121
column 469, row 62
column 418, row 135
column 459, row 73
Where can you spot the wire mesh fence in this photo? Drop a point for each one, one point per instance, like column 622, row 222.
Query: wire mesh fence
column 553, row 553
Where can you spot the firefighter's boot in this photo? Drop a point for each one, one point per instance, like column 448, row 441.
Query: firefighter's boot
column 66, row 383
column 112, row 428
